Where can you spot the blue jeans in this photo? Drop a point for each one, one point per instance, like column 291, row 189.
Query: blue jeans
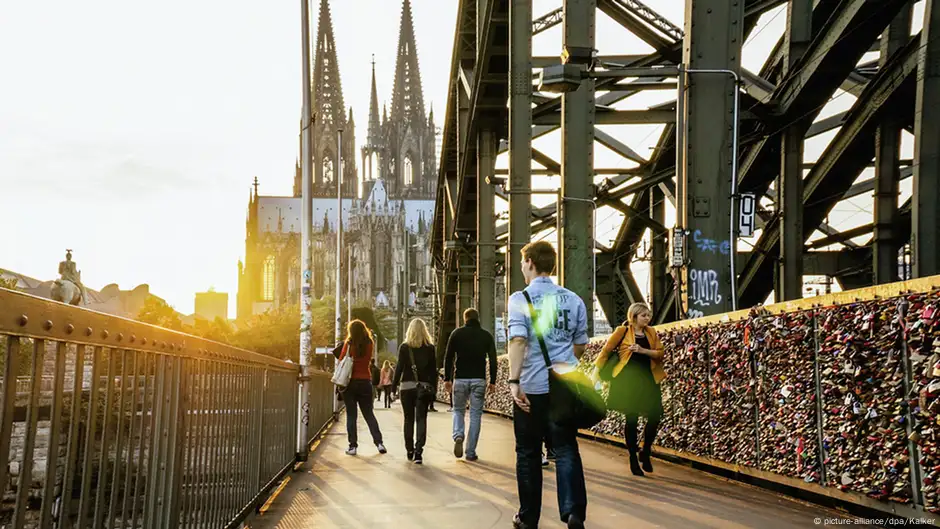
column 473, row 389
column 530, row 429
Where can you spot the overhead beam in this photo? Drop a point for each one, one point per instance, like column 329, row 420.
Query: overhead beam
column 838, row 167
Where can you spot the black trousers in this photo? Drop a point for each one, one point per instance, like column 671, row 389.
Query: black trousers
column 359, row 392
column 415, row 410
column 530, row 430
column 649, row 432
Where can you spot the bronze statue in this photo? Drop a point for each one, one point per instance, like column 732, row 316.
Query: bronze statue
column 68, row 288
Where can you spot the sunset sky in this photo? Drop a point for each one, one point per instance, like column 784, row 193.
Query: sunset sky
column 130, row 131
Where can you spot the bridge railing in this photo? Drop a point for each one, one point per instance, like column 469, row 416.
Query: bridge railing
column 837, row 395
column 115, row 423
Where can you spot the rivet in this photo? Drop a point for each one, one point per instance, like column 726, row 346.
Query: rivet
column 88, row 331
column 48, row 325
column 105, row 334
column 23, row 320
column 143, row 341
column 162, row 345
column 120, row 336
column 69, row 328
column 133, row 338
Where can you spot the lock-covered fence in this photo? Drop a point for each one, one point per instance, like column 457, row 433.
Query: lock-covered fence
column 836, row 395
column 108, row 422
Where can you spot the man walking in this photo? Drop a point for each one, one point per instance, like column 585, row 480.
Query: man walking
column 561, row 322
column 465, row 377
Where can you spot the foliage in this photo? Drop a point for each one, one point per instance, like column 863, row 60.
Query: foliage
column 157, row 312
column 277, row 332
column 218, row 330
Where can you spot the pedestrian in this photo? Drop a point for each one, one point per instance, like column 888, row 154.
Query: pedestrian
column 415, row 375
column 561, row 323
column 359, row 345
column 385, row 382
column 465, row 378
column 632, row 360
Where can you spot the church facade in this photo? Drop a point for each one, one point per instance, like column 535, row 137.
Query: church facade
column 386, row 213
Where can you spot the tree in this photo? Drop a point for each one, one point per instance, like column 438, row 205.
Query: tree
column 156, row 312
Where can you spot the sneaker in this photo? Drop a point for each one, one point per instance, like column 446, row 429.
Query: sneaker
column 645, row 462
column 575, row 522
column 471, row 458
column 411, row 455
column 381, row 448
column 351, row 451
column 544, row 460
column 458, row 447
column 635, row 465
column 419, row 458
column 517, row 522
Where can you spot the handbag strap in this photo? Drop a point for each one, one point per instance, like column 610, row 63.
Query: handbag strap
column 533, row 316
column 414, row 368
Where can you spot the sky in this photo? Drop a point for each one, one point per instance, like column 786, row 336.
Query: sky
column 131, row 131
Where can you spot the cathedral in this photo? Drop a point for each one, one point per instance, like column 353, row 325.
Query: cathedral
column 386, row 213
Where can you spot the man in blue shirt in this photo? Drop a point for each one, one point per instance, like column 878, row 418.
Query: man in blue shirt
column 561, row 320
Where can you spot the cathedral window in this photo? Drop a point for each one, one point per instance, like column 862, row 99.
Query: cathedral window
column 408, row 171
column 327, row 170
column 269, row 273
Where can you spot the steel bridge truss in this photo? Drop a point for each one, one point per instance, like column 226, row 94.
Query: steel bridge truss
column 823, row 54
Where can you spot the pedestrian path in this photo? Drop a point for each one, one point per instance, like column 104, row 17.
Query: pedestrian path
column 373, row 491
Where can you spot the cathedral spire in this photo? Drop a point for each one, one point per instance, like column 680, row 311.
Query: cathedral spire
column 407, row 96
column 375, row 126
column 327, row 86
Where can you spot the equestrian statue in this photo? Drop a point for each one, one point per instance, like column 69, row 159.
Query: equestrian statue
column 68, row 288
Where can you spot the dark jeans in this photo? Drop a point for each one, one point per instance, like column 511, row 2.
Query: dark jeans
column 414, row 408
column 388, row 396
column 649, row 433
column 360, row 392
column 530, row 429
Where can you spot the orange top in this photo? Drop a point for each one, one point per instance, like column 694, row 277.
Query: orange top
column 361, row 364
column 627, row 337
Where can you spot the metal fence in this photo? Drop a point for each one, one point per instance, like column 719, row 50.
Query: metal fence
column 128, row 425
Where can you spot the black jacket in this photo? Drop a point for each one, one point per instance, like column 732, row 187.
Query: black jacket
column 425, row 360
column 467, row 351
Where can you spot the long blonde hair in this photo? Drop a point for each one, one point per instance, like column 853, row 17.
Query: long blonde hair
column 386, row 365
column 417, row 335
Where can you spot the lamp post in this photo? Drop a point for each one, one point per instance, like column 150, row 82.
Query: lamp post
column 303, row 410
column 338, row 178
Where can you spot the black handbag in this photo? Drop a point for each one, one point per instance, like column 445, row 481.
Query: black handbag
column 425, row 389
column 573, row 401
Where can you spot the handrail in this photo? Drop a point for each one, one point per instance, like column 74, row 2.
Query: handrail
column 34, row 317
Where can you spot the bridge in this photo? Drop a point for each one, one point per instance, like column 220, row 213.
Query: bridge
column 775, row 416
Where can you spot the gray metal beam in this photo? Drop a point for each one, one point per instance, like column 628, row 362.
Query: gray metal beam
column 486, row 230
column 576, row 257
column 520, row 140
column 713, row 41
column 789, row 285
column 659, row 276
column 887, row 166
column 845, row 157
column 617, row 117
column 926, row 218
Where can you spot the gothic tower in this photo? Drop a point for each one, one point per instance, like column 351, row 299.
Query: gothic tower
column 330, row 115
column 409, row 165
column 372, row 155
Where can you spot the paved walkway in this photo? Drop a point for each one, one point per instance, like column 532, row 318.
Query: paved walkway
column 373, row 491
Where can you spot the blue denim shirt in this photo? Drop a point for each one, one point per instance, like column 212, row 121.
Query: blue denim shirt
column 562, row 319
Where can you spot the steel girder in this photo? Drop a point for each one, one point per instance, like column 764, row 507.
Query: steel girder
column 833, row 175
column 847, row 31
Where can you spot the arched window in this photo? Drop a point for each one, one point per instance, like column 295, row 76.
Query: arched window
column 269, row 273
column 408, row 171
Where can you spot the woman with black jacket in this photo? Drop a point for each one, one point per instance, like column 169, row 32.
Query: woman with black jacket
column 416, row 356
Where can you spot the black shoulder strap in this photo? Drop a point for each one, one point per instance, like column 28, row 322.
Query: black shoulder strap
column 548, row 362
column 411, row 357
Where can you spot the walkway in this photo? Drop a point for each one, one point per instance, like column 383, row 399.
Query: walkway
column 373, row 491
